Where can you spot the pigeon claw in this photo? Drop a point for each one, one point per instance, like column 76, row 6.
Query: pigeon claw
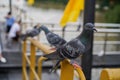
column 75, row 65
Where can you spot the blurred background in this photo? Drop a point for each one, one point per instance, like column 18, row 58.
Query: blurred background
column 106, row 43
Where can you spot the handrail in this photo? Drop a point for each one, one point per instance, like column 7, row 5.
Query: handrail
column 24, row 74
column 44, row 48
column 40, row 60
column 63, row 69
column 32, row 60
column 66, row 68
column 31, row 63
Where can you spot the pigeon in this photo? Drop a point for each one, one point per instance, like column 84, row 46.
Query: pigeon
column 54, row 39
column 32, row 33
column 75, row 47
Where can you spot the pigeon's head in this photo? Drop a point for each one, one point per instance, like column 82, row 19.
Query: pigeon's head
column 44, row 28
column 90, row 27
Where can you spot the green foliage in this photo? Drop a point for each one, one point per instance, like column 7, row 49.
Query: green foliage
column 113, row 15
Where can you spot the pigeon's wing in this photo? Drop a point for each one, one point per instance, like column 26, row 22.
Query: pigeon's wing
column 33, row 33
column 77, row 45
column 53, row 39
column 59, row 42
column 73, row 48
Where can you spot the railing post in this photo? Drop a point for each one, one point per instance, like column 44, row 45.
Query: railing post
column 24, row 60
column 40, row 60
column 10, row 5
column 89, row 17
column 105, row 43
column 67, row 71
column 32, row 60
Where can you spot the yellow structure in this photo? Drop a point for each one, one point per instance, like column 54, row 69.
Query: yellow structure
column 67, row 70
column 31, row 63
column 30, row 2
column 75, row 12
column 110, row 74
column 72, row 11
column 66, row 14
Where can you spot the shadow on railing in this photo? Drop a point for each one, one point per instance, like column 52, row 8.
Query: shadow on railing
column 67, row 70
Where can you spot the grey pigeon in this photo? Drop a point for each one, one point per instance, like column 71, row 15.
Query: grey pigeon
column 32, row 33
column 73, row 48
column 53, row 39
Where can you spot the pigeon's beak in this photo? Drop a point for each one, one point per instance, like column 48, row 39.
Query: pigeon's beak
column 94, row 29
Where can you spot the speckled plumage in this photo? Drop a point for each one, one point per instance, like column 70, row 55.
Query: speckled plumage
column 53, row 39
column 75, row 47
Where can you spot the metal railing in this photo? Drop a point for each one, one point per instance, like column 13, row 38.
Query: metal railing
column 31, row 63
column 67, row 70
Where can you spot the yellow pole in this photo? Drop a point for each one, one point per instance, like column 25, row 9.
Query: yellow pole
column 23, row 61
column 32, row 60
column 80, row 74
column 67, row 71
column 41, row 59
column 110, row 74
